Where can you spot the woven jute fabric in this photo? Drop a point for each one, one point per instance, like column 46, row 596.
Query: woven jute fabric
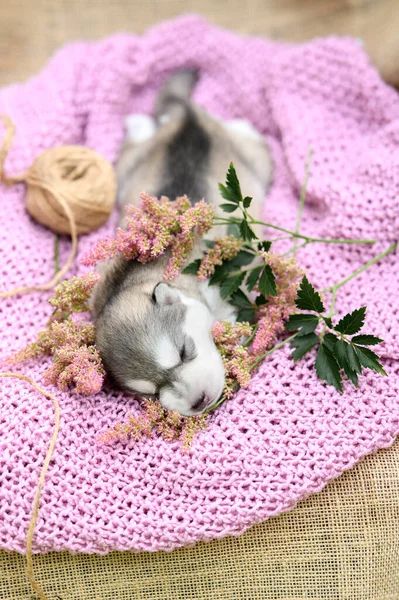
column 340, row 544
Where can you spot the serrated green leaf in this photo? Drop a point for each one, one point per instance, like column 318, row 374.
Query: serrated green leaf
column 242, row 259
column 253, row 278
column 303, row 344
column 231, row 191
column 247, row 233
column 327, row 368
column 330, row 339
column 308, row 298
column 247, row 202
column 352, row 322
column 231, row 285
column 240, row 299
column 306, row 322
column 328, row 322
column 267, row 282
column 261, row 300
column 265, row 246
column 369, row 359
column 222, row 272
column 192, row 268
column 229, row 208
column 246, row 314
column 353, row 359
column 366, row 340
column 340, row 352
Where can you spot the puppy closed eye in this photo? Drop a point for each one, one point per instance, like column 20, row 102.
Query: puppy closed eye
column 187, row 351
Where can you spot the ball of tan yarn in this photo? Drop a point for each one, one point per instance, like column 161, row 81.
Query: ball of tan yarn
column 80, row 177
column 69, row 189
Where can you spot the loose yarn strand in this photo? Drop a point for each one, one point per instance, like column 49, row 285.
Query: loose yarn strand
column 36, row 502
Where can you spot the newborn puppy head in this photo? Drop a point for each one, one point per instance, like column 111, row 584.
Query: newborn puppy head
column 165, row 349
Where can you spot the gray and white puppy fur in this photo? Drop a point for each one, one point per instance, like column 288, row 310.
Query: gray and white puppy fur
column 155, row 337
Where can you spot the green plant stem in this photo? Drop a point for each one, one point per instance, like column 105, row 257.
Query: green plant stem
column 57, row 253
column 302, row 199
column 221, row 221
column 368, row 264
column 277, row 347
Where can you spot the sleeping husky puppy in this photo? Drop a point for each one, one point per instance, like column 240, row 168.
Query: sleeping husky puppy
column 154, row 337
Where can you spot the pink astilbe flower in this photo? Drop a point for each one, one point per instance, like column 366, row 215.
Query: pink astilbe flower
column 225, row 248
column 199, row 217
column 75, row 358
column 103, row 250
column 272, row 315
column 155, row 227
column 72, row 295
column 80, row 366
column 237, row 359
column 155, row 420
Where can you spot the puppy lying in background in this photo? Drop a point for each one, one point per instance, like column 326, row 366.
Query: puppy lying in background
column 155, row 338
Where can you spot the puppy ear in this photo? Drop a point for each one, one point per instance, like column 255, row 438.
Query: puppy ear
column 164, row 294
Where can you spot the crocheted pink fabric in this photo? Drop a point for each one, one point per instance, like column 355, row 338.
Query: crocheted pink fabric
column 288, row 434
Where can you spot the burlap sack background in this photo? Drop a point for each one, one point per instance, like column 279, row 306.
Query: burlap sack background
column 341, row 544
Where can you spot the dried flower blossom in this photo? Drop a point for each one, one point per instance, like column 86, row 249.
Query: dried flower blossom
column 153, row 228
column 154, row 419
column 225, row 248
column 272, row 315
column 72, row 295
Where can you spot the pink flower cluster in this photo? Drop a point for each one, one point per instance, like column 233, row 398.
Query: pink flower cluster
column 225, row 248
column 236, row 357
column 272, row 315
column 154, row 419
column 72, row 295
column 153, row 228
column 75, row 358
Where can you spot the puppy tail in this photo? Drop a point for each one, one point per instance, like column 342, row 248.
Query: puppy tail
column 173, row 100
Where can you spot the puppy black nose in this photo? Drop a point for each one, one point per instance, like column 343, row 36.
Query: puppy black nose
column 200, row 403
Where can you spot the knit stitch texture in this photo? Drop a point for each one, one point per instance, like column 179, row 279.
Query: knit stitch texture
column 288, row 434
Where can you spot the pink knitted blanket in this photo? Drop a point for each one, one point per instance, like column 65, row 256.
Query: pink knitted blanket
column 288, row 434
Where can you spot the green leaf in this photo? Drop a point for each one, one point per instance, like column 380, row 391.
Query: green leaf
column 231, row 191
column 327, row 368
column 328, row 322
column 209, row 243
column 330, row 339
column 267, row 282
column 222, row 272
column 261, row 300
column 240, row 299
column 242, row 259
column 353, row 359
column 231, row 285
column 265, row 246
column 247, row 202
column 308, row 298
column 340, row 352
column 192, row 268
column 369, row 359
column 352, row 322
column 306, row 322
column 229, row 208
column 303, row 344
column 253, row 278
column 366, row 340
column 247, row 232
column 234, row 229
column 246, row 314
